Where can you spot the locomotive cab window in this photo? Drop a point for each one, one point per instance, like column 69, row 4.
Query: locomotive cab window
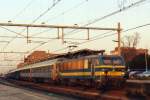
column 107, row 61
column 112, row 60
column 117, row 61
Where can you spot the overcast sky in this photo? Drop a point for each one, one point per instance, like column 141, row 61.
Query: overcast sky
column 69, row 12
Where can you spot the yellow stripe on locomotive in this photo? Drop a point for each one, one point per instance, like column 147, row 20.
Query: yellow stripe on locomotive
column 109, row 66
column 98, row 71
column 76, row 74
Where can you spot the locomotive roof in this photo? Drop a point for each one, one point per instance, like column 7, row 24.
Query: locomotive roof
column 75, row 54
column 79, row 53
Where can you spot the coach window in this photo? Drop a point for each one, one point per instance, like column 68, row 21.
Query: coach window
column 46, row 68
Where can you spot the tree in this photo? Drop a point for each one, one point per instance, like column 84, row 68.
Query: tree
column 136, row 39
column 131, row 41
column 128, row 50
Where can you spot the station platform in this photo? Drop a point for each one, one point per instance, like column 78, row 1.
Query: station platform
column 14, row 93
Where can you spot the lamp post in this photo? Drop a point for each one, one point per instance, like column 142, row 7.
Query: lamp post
column 146, row 61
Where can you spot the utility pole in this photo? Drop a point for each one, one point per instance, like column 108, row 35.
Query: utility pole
column 119, row 39
column 146, row 60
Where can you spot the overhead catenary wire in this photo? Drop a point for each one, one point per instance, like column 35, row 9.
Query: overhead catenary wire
column 115, row 12
column 106, row 34
column 96, row 38
column 13, row 38
column 62, row 13
column 18, row 33
column 41, row 32
column 38, row 46
column 25, row 37
column 54, row 4
column 66, row 11
column 46, row 11
column 18, row 14
column 144, row 25
column 111, row 14
column 14, row 18
column 22, row 10
column 98, row 19
column 12, row 31
column 108, row 15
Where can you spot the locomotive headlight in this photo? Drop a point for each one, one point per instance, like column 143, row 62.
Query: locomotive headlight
column 122, row 73
column 102, row 73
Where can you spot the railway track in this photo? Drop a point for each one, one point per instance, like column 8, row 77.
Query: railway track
column 78, row 92
column 125, row 93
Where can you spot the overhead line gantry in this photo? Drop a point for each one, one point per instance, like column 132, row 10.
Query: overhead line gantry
column 61, row 28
